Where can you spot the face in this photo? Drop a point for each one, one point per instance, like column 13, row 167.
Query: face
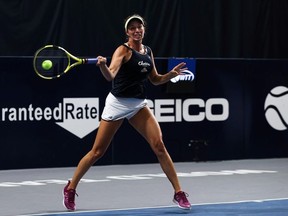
column 135, row 30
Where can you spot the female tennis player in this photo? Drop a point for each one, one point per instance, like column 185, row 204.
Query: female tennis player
column 131, row 65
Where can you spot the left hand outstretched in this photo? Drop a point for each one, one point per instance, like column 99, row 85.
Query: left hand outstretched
column 177, row 70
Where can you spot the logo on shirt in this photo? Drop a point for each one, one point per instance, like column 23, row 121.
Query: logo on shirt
column 144, row 65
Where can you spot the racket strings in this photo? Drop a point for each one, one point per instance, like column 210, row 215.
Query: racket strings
column 60, row 62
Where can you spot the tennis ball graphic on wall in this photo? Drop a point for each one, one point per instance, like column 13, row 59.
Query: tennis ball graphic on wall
column 276, row 108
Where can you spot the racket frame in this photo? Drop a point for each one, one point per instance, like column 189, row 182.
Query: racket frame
column 78, row 61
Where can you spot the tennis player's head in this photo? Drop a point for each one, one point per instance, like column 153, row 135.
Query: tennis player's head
column 134, row 17
column 134, row 21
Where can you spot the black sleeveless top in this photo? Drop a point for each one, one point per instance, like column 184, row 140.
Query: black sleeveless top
column 132, row 75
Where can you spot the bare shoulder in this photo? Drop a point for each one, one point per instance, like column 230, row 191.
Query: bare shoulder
column 122, row 49
column 123, row 52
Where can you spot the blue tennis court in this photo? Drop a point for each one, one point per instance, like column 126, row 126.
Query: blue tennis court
column 247, row 208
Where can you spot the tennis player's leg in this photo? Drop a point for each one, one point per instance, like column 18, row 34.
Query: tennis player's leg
column 146, row 124
column 106, row 132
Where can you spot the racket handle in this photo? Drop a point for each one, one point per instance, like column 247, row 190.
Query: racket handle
column 91, row 61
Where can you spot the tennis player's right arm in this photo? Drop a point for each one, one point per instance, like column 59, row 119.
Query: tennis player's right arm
column 110, row 72
column 104, row 68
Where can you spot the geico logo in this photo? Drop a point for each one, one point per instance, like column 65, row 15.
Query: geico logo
column 37, row 113
column 190, row 110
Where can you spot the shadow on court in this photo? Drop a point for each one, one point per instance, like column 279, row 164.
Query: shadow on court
column 263, row 208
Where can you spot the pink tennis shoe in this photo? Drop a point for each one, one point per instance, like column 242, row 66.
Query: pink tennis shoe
column 69, row 198
column 181, row 200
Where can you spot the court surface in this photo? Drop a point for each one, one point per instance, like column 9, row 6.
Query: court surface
column 240, row 187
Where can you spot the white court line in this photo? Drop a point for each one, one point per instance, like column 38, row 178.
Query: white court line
column 156, row 207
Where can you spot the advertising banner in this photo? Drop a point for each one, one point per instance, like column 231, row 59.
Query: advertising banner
column 218, row 109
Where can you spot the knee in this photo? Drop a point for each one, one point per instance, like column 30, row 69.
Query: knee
column 159, row 147
column 96, row 154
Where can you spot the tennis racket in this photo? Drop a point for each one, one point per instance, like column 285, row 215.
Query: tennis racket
column 52, row 61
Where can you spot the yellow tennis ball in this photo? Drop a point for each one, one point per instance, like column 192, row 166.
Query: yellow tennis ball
column 47, row 64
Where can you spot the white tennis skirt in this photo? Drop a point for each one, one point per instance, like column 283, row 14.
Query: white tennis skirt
column 119, row 108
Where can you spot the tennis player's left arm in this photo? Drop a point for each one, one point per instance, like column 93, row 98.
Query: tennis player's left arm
column 158, row 79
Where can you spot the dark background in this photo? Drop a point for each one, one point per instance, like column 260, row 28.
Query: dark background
column 182, row 28
column 241, row 52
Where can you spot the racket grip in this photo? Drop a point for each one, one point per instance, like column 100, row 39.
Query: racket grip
column 91, row 61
